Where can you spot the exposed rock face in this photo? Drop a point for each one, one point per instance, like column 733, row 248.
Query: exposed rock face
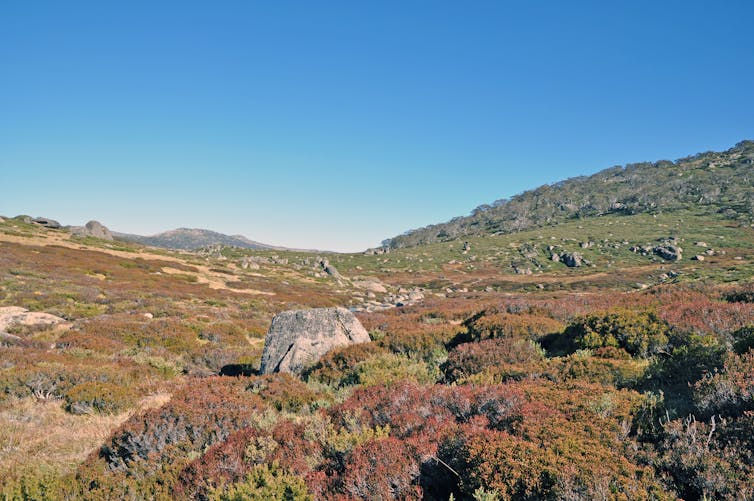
column 15, row 315
column 47, row 223
column 324, row 264
column 372, row 285
column 668, row 252
column 377, row 251
column 298, row 338
column 572, row 259
column 92, row 229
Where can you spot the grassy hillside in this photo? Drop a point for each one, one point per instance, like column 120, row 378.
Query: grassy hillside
column 720, row 182
column 522, row 260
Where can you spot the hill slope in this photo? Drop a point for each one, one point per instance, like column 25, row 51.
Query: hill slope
column 718, row 181
column 192, row 238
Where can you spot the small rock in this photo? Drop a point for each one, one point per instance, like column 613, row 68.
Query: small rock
column 148, row 316
column 698, row 257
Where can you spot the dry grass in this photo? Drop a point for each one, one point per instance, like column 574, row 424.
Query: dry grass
column 56, row 440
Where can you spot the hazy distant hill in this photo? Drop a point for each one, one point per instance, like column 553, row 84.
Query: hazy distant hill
column 720, row 181
column 192, row 238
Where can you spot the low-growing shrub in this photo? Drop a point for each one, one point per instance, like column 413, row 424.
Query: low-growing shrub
column 472, row 358
column 264, row 483
column 338, row 367
column 493, row 323
column 97, row 397
column 639, row 333
column 743, row 340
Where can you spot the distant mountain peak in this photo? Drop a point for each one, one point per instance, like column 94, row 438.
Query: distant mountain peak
column 193, row 238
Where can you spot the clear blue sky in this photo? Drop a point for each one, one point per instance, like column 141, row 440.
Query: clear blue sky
column 337, row 124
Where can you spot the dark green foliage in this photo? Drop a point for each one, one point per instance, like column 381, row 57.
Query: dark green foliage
column 639, row 333
column 743, row 339
column 496, row 323
column 743, row 294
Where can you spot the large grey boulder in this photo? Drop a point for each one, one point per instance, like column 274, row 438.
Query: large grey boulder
column 298, row 338
column 572, row 259
column 92, row 229
column 669, row 252
column 47, row 222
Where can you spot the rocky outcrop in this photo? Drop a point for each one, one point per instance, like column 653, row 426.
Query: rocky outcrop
column 47, row 222
column 371, row 285
column 377, row 251
column 92, row 229
column 15, row 315
column 668, row 252
column 322, row 263
column 298, row 338
column 572, row 259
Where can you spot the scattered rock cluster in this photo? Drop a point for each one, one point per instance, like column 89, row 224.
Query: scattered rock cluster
column 377, row 251
column 403, row 297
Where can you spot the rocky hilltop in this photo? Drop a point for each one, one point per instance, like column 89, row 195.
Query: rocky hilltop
column 193, row 238
column 721, row 182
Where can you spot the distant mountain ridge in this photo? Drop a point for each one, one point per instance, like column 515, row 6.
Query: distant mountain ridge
column 722, row 182
column 193, row 238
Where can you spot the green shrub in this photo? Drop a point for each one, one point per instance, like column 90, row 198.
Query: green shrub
column 743, row 340
column 264, row 483
column 639, row 333
column 388, row 369
column 97, row 397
